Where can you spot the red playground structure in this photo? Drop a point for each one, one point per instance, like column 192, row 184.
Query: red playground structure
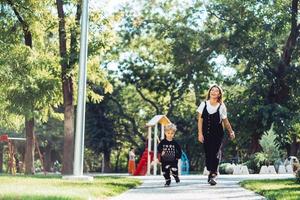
column 141, row 169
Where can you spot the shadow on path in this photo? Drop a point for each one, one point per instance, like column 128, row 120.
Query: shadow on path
column 193, row 187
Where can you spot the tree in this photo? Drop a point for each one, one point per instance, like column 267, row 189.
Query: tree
column 68, row 62
column 28, row 88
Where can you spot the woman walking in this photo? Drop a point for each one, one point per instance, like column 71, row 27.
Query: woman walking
column 211, row 114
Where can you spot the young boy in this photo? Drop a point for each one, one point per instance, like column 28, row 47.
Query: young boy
column 170, row 152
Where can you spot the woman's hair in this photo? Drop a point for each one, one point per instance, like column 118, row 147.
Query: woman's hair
column 220, row 99
column 171, row 127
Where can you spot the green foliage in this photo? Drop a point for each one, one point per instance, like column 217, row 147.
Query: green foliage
column 274, row 189
column 226, row 168
column 92, row 161
column 270, row 149
column 57, row 166
column 38, row 167
column 100, row 133
column 32, row 85
column 253, row 164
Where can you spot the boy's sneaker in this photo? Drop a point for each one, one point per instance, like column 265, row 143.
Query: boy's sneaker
column 177, row 179
column 212, row 180
column 168, row 182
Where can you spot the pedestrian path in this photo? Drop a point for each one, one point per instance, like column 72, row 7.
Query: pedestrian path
column 193, row 187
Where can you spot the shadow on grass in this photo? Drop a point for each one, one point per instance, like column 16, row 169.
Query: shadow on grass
column 110, row 177
column 32, row 197
column 127, row 185
column 40, row 176
column 107, row 182
column 286, row 189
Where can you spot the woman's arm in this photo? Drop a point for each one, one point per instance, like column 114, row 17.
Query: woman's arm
column 229, row 128
column 200, row 123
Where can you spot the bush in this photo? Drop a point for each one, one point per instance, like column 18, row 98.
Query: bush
column 38, row 165
column 226, row 168
column 222, row 168
column 57, row 166
column 271, row 151
column 252, row 164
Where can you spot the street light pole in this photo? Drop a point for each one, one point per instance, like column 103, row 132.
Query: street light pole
column 80, row 117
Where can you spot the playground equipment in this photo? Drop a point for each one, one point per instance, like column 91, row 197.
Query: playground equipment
column 142, row 165
column 184, row 164
column 11, row 152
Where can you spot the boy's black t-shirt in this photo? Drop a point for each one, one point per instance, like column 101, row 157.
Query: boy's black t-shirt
column 172, row 150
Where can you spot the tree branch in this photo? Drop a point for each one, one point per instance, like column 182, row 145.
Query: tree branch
column 122, row 113
column 62, row 36
column 129, row 136
column 25, row 26
column 294, row 34
column 148, row 100
column 74, row 36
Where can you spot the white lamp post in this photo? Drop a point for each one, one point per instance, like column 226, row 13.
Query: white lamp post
column 80, row 117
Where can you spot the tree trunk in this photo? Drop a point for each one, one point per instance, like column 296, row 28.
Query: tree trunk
column 294, row 147
column 68, row 154
column 280, row 89
column 67, row 63
column 106, row 164
column 67, row 84
column 117, row 161
column 255, row 146
column 47, row 158
column 29, row 153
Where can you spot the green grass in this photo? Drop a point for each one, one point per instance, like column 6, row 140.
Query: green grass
column 55, row 188
column 284, row 189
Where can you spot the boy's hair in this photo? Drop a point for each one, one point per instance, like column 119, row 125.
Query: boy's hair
column 171, row 127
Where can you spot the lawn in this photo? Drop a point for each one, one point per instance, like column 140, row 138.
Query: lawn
column 286, row 189
column 55, row 188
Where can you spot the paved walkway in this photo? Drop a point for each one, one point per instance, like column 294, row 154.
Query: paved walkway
column 194, row 187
